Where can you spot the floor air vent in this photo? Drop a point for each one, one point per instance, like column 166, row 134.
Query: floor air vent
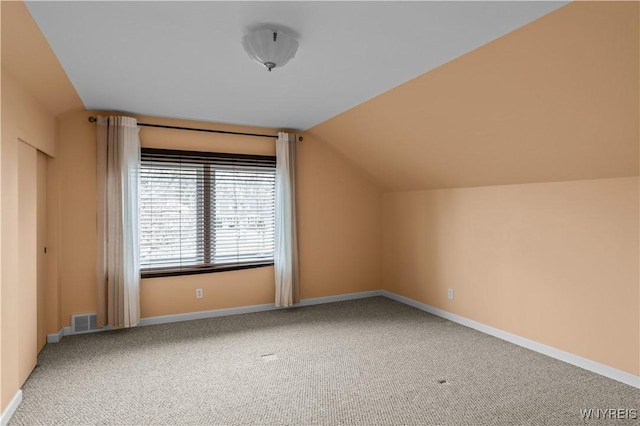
column 84, row 323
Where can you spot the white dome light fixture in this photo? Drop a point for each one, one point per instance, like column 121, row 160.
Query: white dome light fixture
column 270, row 48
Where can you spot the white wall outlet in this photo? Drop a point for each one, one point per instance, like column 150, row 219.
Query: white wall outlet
column 450, row 294
column 199, row 293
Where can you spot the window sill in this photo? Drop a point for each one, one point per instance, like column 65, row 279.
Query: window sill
column 174, row 272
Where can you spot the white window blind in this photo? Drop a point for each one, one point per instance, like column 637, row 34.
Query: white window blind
column 205, row 211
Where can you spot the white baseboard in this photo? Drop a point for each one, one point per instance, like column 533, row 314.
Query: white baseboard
column 578, row 361
column 339, row 298
column 68, row 331
column 55, row 337
column 189, row 316
column 11, row 408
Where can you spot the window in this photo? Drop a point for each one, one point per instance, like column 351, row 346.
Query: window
column 204, row 212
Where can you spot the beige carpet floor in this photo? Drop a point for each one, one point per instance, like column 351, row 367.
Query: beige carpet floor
column 371, row 361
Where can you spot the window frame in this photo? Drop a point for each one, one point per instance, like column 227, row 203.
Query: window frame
column 267, row 161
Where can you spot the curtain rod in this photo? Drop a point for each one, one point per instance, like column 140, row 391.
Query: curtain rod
column 226, row 132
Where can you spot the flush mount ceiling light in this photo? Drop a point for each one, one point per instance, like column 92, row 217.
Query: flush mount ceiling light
column 271, row 48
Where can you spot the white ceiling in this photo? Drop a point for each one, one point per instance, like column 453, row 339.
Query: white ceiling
column 184, row 59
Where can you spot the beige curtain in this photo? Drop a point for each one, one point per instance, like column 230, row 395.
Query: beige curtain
column 286, row 239
column 118, row 273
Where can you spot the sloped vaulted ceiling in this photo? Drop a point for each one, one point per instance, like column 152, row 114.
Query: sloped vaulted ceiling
column 183, row 59
column 554, row 100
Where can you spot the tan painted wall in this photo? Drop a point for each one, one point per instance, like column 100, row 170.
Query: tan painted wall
column 23, row 118
column 556, row 263
column 26, row 54
column 339, row 224
column 36, row 90
column 554, row 100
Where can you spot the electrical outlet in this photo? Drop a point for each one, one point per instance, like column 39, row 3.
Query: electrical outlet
column 450, row 294
column 199, row 293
